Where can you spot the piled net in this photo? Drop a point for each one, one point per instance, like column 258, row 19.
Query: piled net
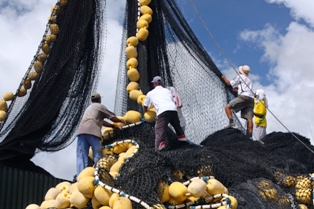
column 173, row 52
column 47, row 117
column 258, row 176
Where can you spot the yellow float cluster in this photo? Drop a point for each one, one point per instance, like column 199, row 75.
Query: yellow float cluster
column 89, row 188
column 204, row 189
column 303, row 189
column 133, row 88
column 38, row 63
column 269, row 192
column 79, row 194
column 67, row 195
column 303, row 186
column 289, row 181
column 115, row 154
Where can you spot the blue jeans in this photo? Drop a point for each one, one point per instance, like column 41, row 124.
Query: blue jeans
column 84, row 141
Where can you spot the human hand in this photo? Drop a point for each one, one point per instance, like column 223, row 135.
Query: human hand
column 117, row 126
column 122, row 120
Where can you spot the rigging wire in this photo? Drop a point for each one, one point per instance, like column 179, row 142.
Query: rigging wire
column 225, row 56
column 308, row 123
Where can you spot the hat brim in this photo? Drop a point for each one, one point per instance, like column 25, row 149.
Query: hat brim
column 158, row 82
column 242, row 72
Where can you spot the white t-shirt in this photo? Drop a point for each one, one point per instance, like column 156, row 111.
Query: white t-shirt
column 93, row 118
column 162, row 100
column 244, row 85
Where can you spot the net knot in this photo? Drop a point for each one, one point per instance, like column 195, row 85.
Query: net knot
column 96, row 181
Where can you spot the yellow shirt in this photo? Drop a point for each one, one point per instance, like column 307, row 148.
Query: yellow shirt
column 260, row 108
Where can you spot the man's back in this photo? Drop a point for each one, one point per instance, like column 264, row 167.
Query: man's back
column 93, row 118
column 161, row 98
column 244, row 84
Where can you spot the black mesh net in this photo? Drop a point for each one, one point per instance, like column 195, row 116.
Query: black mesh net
column 259, row 176
column 47, row 117
column 173, row 52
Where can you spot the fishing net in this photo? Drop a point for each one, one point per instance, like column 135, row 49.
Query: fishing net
column 173, row 52
column 45, row 119
column 258, row 176
column 273, row 175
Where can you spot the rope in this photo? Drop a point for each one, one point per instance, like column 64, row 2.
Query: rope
column 98, row 182
column 192, row 205
column 124, row 127
column 308, row 123
column 29, row 68
column 222, row 52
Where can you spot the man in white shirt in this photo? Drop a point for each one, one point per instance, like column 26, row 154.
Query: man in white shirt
column 245, row 99
column 166, row 111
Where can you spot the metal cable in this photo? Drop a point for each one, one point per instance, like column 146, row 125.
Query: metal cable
column 222, row 52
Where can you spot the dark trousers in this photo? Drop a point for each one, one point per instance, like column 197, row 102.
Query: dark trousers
column 161, row 126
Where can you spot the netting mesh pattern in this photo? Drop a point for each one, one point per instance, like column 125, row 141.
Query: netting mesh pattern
column 253, row 173
column 258, row 176
column 173, row 52
column 46, row 119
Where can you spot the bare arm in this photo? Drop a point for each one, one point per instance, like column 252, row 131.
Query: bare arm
column 117, row 120
column 145, row 108
column 105, row 123
column 112, row 125
column 225, row 80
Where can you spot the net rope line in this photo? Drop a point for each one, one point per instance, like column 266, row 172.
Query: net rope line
column 225, row 56
column 191, row 204
column 97, row 180
column 308, row 123
column 111, row 133
column 31, row 64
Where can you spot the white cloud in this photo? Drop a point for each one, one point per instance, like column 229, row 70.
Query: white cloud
column 268, row 39
column 301, row 9
column 21, row 32
column 292, row 72
column 22, row 27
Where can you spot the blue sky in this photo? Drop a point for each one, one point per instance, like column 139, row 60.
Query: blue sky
column 226, row 20
column 274, row 37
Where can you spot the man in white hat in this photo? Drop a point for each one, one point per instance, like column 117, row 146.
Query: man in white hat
column 245, row 99
column 89, row 131
column 166, row 111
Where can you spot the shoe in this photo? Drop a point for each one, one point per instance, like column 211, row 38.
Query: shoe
column 230, row 125
column 162, row 145
column 251, row 138
column 261, row 142
column 182, row 138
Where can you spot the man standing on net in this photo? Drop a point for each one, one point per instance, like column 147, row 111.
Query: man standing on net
column 166, row 111
column 260, row 111
column 89, row 131
column 245, row 99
